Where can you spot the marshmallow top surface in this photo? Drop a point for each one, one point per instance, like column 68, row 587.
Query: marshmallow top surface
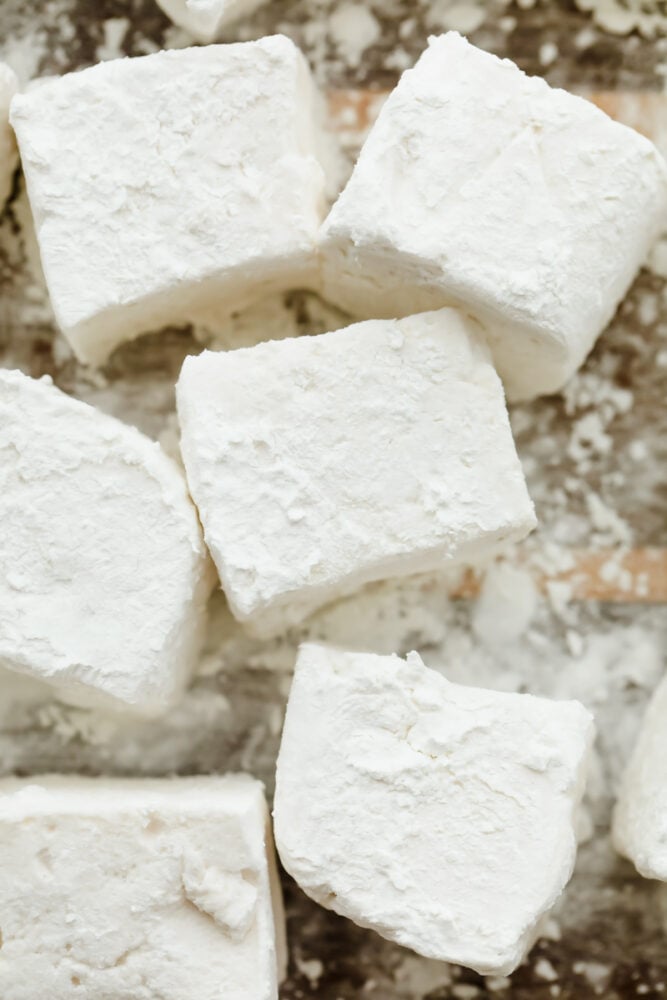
column 483, row 186
column 640, row 818
column 322, row 463
column 8, row 153
column 134, row 889
column 161, row 181
column 439, row 815
column 204, row 19
column 103, row 569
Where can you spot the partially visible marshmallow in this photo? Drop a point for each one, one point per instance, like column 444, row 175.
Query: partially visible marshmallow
column 116, row 888
column 205, row 19
column 104, row 576
column 640, row 817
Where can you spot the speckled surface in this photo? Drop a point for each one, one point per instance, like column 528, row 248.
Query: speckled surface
column 596, row 462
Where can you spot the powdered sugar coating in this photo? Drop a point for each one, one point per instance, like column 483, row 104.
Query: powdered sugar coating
column 322, row 463
column 176, row 891
column 481, row 186
column 103, row 570
column 162, row 183
column 441, row 816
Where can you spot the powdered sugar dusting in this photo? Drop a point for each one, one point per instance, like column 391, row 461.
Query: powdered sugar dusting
column 596, row 461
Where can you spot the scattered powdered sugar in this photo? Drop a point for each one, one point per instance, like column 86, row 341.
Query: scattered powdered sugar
column 596, row 462
column 443, row 15
column 353, row 29
column 622, row 16
column 115, row 30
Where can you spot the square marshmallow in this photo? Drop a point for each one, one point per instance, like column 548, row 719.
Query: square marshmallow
column 104, row 575
column 8, row 152
column 640, row 817
column 205, row 19
column 438, row 815
column 171, row 182
column 319, row 464
column 481, row 186
column 138, row 889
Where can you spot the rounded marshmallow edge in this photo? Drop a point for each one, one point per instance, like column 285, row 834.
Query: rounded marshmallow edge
column 105, row 576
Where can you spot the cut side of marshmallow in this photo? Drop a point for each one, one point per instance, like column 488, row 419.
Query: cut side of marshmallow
column 8, row 152
column 640, row 817
column 440, row 816
column 138, row 888
column 205, row 19
column 166, row 184
column 481, row 187
column 104, row 576
column 322, row 463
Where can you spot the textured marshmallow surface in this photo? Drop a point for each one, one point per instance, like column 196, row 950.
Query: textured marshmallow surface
column 138, row 889
column 163, row 184
column 103, row 569
column 441, row 816
column 480, row 185
column 205, row 19
column 321, row 463
column 640, row 818
column 8, row 152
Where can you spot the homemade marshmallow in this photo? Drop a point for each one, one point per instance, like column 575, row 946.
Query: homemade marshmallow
column 165, row 184
column 8, row 152
column 481, row 186
column 137, row 889
column 205, row 19
column 640, row 817
column 440, row 816
column 103, row 569
column 322, row 463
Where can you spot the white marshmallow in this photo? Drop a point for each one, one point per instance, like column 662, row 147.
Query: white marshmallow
column 438, row 815
column 8, row 152
column 103, row 569
column 205, row 19
column 136, row 889
column 481, row 186
column 319, row 464
column 170, row 183
column 640, row 817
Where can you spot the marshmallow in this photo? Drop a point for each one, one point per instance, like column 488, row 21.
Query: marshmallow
column 138, row 889
column 205, row 19
column 440, row 816
column 322, row 463
column 103, row 569
column 172, row 183
column 8, row 153
column 640, row 817
column 481, row 186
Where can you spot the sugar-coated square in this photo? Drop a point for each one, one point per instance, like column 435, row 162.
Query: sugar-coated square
column 168, row 183
column 137, row 889
column 482, row 187
column 322, row 463
column 440, row 816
